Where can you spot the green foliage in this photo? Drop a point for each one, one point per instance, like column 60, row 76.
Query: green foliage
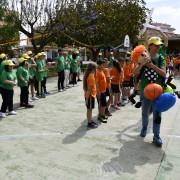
column 86, row 22
column 8, row 31
column 103, row 22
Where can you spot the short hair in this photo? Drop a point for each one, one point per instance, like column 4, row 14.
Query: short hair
column 100, row 62
column 105, row 59
column 121, row 58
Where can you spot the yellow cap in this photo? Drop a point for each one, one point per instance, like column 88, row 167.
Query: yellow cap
column 35, row 57
column 21, row 60
column 43, row 54
column 65, row 52
column 2, row 56
column 155, row 40
column 128, row 52
column 8, row 63
column 38, row 55
column 29, row 52
column 26, row 56
column 76, row 51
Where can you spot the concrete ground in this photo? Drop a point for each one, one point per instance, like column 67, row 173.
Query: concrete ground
column 51, row 142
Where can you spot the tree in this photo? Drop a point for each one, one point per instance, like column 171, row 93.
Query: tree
column 104, row 23
column 7, row 36
column 37, row 19
column 91, row 23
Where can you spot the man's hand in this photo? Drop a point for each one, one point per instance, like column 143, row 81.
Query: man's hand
column 145, row 61
column 14, row 83
column 149, row 65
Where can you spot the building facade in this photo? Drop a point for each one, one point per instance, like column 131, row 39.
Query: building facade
column 166, row 32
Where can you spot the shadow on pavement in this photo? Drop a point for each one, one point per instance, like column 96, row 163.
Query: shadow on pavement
column 75, row 136
column 134, row 152
column 16, row 106
column 79, row 133
column 53, row 92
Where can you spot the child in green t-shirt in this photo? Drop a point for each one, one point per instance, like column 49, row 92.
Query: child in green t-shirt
column 45, row 74
column 23, row 79
column 40, row 69
column 8, row 81
column 67, row 66
column 60, row 70
column 74, row 68
column 32, row 70
column 2, row 59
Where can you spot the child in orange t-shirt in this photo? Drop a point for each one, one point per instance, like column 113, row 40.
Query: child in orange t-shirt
column 121, row 64
column 106, row 71
column 101, row 90
column 89, row 86
column 169, row 65
column 176, row 62
column 128, row 79
column 116, row 79
column 167, row 60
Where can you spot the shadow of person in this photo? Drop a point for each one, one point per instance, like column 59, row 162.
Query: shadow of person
column 134, row 152
column 16, row 106
column 54, row 91
column 79, row 133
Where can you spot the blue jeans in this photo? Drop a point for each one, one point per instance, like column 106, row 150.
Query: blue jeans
column 147, row 108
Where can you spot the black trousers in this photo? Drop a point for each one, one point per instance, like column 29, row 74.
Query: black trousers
column 24, row 95
column 61, row 80
column 39, row 87
column 36, row 84
column 7, row 97
column 44, row 85
column 74, row 75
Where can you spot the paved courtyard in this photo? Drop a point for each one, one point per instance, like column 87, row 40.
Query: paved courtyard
column 51, row 142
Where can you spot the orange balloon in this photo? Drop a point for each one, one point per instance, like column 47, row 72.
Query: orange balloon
column 152, row 91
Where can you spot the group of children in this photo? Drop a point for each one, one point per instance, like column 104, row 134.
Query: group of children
column 31, row 73
column 110, row 84
column 173, row 64
column 68, row 68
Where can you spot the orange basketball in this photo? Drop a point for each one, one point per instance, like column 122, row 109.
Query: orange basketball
column 152, row 91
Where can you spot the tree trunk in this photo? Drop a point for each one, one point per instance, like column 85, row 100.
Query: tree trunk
column 34, row 46
column 94, row 54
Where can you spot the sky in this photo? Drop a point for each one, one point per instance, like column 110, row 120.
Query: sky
column 166, row 11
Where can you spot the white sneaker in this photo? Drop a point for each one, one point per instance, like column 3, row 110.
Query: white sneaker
column 30, row 100
column 2, row 115
column 34, row 98
column 12, row 113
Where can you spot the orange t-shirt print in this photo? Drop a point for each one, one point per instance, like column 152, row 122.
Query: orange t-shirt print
column 128, row 71
column 117, row 77
column 91, row 84
column 176, row 61
column 107, row 75
column 100, row 81
column 168, row 60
